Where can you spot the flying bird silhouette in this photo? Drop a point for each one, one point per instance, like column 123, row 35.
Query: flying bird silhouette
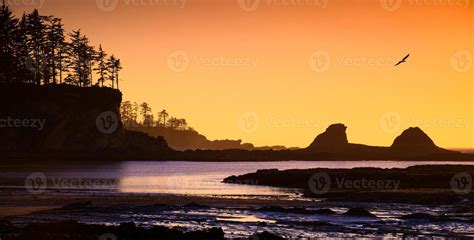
column 403, row 60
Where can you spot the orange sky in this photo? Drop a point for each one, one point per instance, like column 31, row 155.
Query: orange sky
column 280, row 74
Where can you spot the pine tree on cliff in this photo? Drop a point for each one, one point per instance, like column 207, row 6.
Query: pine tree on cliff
column 114, row 66
column 22, row 54
column 91, row 58
column 78, row 60
column 56, row 45
column 117, row 67
column 102, row 70
column 8, row 30
column 36, row 37
column 111, row 69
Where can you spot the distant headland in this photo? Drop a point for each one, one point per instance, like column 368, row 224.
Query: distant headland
column 73, row 130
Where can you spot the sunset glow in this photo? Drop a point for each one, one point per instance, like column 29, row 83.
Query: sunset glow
column 273, row 73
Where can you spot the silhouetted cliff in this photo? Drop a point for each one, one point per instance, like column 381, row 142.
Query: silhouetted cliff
column 65, row 121
column 62, row 122
column 192, row 140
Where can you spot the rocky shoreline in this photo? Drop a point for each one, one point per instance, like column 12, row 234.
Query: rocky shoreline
column 425, row 184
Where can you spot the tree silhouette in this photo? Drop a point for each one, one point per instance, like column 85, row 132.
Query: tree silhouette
column 145, row 111
column 34, row 50
column 23, row 73
column 126, row 112
column 162, row 116
column 129, row 111
column 102, row 69
column 8, row 28
column 79, row 60
column 90, row 59
column 114, row 66
column 111, row 68
column 55, row 39
column 36, row 38
column 118, row 68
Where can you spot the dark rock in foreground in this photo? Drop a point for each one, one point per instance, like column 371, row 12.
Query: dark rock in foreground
column 265, row 236
column 78, row 231
column 417, row 184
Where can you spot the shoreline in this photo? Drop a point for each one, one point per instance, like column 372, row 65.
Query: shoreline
column 177, row 211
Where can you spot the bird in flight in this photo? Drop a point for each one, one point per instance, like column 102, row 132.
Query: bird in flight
column 403, row 60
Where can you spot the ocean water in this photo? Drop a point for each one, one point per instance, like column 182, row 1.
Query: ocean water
column 205, row 178
column 172, row 177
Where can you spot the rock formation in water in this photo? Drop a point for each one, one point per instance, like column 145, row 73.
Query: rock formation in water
column 415, row 142
column 334, row 139
column 70, row 123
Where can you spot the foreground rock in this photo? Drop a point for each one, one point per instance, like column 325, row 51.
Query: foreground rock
column 417, row 184
column 78, row 231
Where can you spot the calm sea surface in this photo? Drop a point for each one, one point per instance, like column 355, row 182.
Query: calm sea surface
column 194, row 178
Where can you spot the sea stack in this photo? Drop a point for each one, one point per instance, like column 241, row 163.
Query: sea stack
column 334, row 139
